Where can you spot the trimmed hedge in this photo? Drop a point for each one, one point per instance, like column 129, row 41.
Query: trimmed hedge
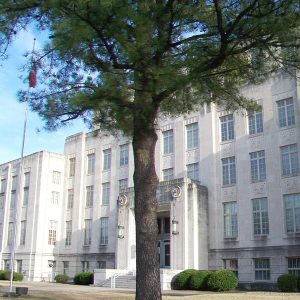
column 84, row 278
column 61, row 278
column 287, row 282
column 2, row 275
column 5, row 275
column 198, row 281
column 182, row 280
column 222, row 280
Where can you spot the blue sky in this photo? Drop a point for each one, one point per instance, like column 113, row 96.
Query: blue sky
column 12, row 112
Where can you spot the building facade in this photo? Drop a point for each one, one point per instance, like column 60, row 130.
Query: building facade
column 229, row 195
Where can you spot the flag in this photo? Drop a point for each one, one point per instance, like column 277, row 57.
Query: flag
column 32, row 77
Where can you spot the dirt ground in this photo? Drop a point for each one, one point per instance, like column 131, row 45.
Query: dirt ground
column 50, row 291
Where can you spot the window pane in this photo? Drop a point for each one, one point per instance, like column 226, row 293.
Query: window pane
column 168, row 141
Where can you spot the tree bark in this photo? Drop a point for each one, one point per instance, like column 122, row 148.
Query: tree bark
column 145, row 187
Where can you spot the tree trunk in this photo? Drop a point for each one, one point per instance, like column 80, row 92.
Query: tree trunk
column 145, row 187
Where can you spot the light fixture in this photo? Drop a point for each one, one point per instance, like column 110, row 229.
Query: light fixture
column 174, row 227
column 120, row 232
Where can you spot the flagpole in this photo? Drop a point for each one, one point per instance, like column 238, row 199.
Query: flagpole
column 14, row 240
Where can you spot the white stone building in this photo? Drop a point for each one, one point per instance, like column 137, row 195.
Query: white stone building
column 229, row 195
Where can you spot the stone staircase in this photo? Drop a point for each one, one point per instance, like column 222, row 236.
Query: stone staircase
column 121, row 282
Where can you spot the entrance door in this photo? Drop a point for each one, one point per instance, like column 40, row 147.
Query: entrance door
column 164, row 253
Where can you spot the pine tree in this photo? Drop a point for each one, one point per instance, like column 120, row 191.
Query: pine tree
column 119, row 64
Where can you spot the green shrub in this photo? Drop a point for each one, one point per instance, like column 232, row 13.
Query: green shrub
column 298, row 283
column 198, row 281
column 182, row 280
column 61, row 278
column 222, row 280
column 84, row 278
column 16, row 276
column 2, row 275
column 287, row 282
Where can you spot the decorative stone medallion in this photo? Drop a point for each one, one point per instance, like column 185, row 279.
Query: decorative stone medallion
column 123, row 199
column 176, row 191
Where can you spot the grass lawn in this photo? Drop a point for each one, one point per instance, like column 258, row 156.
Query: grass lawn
column 50, row 291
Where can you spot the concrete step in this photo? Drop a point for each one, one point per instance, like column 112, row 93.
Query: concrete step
column 121, row 282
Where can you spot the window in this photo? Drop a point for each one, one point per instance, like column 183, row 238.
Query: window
column 262, row 268
column 70, row 199
column 101, row 264
column 105, row 193
column 85, row 266
column 123, row 184
column 168, row 141
column 90, row 163
column 10, row 233
column 65, row 267
column 260, row 216
column 124, row 155
column 6, row 263
column 13, row 198
column 228, row 170
column 54, row 198
column 56, row 177
column 294, row 265
column 168, row 174
column 103, row 231
column 3, row 186
column 52, row 233
column 87, row 232
column 2, row 199
column 19, row 266
column 286, row 112
column 167, row 225
column 25, row 196
column 230, row 220
column 192, row 135
column 106, row 159
column 1, row 235
column 193, row 171
column 14, row 183
column 255, row 122
column 26, row 179
column 68, row 240
column 289, row 160
column 258, row 166
column 231, row 264
column 26, row 188
column 227, row 128
column 2, row 193
column 89, row 196
column 72, row 164
column 292, row 212
column 23, row 233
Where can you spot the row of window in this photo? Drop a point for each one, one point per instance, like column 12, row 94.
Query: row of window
column 262, row 267
column 91, row 159
column 255, row 125
column 260, row 216
column 289, row 165
column 87, row 233
column 52, row 232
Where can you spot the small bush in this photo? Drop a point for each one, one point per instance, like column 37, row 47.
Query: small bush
column 16, row 276
column 287, row 282
column 198, row 281
column 84, row 278
column 61, row 278
column 182, row 280
column 2, row 275
column 298, row 283
column 222, row 280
